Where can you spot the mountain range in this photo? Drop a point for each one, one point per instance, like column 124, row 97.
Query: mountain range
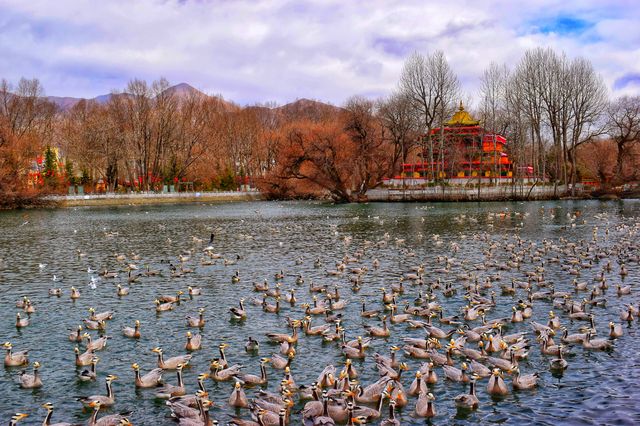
column 300, row 107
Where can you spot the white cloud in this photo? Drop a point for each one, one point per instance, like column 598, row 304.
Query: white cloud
column 256, row 51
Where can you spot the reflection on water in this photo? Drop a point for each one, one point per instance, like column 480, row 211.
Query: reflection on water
column 598, row 387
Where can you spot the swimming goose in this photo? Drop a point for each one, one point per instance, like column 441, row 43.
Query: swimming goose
column 239, row 312
column 559, row 364
column 31, row 381
column 469, row 400
column 615, row 330
column 194, row 291
column 150, row 380
column 597, row 344
column 496, row 385
column 425, row 406
column 16, row 418
column 15, row 359
column 238, row 398
column 95, row 325
column 75, row 293
column 89, row 375
column 221, row 375
column 132, row 332
column 109, row 420
column 96, row 345
column 171, row 299
column 379, row 331
column 197, row 321
column 122, row 291
column 21, row 322
column 163, row 307
column 252, row 379
column 173, row 362
column 47, row 420
column 105, row 400
column 168, row 391
column 194, row 341
column 103, row 316
column 524, row 382
column 252, row 345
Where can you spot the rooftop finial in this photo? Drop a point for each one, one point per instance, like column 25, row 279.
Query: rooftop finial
column 461, row 106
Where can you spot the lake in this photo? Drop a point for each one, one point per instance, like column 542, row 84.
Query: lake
column 266, row 237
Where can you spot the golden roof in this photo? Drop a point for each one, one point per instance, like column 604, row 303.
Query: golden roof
column 462, row 118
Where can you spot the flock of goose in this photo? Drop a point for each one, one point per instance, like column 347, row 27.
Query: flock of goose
column 446, row 307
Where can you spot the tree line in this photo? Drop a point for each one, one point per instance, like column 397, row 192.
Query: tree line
column 555, row 112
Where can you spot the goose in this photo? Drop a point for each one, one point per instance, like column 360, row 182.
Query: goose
column 171, row 363
column 47, row 420
column 559, row 364
column 96, row 345
column 252, row 345
column 524, row 382
column 194, row 291
column 425, row 406
column 418, row 385
column 132, row 332
column 75, row 293
column 163, row 307
column 291, row 297
column 95, row 325
column 597, row 344
column 16, row 418
column 31, row 381
column 150, row 380
column 235, row 278
column 314, row 331
column 105, row 400
column 379, row 331
column 238, row 398
column 274, row 309
column 279, row 337
column 110, row 420
column 496, row 385
column 103, row 316
column 456, row 375
column 572, row 338
column 222, row 375
column 168, row 390
column 196, row 321
column 122, row 291
column 90, row 374
column 479, row 369
column 171, row 299
column 251, row 379
column 239, row 312
column 615, row 330
column 194, row 342
column 15, row 359
column 21, row 322
column 468, row 401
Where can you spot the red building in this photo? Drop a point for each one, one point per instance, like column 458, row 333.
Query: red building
column 468, row 151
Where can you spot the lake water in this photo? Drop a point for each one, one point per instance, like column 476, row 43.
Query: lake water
column 597, row 388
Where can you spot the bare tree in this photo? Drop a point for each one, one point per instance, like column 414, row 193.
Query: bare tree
column 400, row 127
column 623, row 126
column 432, row 87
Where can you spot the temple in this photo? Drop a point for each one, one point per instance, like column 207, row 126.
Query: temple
column 462, row 150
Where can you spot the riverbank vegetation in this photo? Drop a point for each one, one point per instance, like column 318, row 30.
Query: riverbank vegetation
column 555, row 112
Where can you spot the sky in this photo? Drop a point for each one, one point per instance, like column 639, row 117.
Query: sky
column 278, row 51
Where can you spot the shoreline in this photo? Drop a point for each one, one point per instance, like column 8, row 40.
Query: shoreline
column 92, row 200
column 388, row 195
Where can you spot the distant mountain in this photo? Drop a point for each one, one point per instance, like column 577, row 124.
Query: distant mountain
column 301, row 108
column 307, row 108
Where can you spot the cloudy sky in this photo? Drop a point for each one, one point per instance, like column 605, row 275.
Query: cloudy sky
column 258, row 51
